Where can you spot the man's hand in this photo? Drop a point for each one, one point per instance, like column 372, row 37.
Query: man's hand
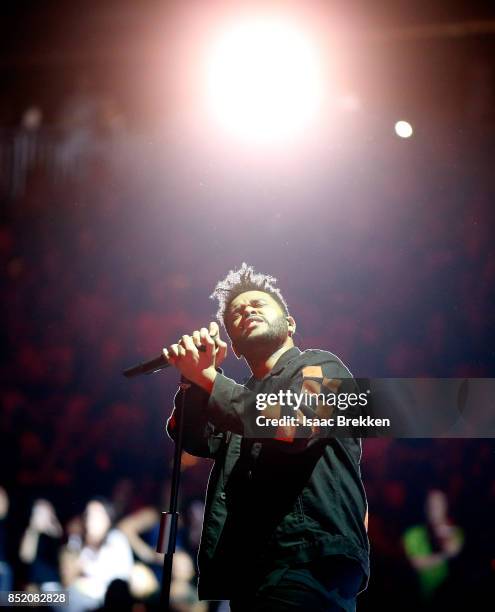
column 197, row 366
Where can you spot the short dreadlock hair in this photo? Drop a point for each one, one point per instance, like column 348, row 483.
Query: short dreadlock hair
column 241, row 280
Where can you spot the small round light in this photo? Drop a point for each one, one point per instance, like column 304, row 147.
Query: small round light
column 403, row 129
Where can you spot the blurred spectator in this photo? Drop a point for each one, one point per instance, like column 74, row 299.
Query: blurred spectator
column 431, row 546
column 40, row 545
column 118, row 597
column 143, row 583
column 69, row 566
column 32, row 119
column 26, row 147
column 105, row 556
column 183, row 596
column 142, row 528
column 5, row 569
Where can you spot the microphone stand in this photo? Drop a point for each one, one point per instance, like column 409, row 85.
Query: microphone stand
column 169, row 521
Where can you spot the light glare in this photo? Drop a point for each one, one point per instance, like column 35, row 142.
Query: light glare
column 403, row 129
column 263, row 80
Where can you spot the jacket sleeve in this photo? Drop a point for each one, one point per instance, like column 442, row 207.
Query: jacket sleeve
column 200, row 438
column 233, row 407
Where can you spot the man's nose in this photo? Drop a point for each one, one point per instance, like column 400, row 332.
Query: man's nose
column 249, row 310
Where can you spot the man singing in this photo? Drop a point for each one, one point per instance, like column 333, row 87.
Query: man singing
column 285, row 518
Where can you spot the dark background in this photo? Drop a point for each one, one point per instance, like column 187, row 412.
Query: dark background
column 119, row 214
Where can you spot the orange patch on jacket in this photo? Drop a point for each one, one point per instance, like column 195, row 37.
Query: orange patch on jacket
column 312, row 372
column 285, row 433
column 333, row 384
column 310, row 386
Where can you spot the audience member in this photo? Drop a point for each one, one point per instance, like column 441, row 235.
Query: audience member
column 40, row 545
column 432, row 545
column 5, row 568
column 105, row 556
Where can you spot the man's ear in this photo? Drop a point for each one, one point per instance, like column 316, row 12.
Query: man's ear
column 291, row 325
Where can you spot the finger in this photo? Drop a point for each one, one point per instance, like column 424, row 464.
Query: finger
column 171, row 353
column 214, row 329
column 205, row 336
column 196, row 338
column 188, row 344
column 207, row 341
column 221, row 351
column 221, row 344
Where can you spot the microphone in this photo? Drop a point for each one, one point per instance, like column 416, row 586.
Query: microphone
column 153, row 365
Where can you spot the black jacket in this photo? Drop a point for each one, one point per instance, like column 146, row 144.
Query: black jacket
column 273, row 502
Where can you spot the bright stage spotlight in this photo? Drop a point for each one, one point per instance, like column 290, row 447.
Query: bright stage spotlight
column 264, row 82
column 403, row 129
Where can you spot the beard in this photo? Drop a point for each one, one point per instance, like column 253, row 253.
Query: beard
column 265, row 344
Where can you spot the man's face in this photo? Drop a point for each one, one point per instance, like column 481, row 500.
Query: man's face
column 255, row 321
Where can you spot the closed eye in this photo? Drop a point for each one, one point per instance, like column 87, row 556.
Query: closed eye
column 254, row 303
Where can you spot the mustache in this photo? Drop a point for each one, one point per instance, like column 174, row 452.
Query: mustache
column 253, row 318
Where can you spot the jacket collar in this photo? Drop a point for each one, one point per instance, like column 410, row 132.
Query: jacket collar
column 280, row 364
column 284, row 359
